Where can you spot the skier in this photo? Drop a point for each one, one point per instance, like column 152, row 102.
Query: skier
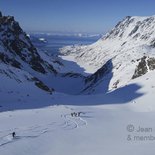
column 75, row 114
column 13, row 134
column 79, row 113
column 72, row 114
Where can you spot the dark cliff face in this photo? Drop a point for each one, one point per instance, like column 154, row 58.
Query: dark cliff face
column 16, row 44
column 16, row 50
column 93, row 80
column 145, row 64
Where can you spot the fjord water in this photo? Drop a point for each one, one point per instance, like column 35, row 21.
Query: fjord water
column 52, row 43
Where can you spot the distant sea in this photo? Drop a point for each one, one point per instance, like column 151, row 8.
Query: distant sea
column 52, row 43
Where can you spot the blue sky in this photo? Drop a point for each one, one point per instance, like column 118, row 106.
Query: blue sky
column 94, row 16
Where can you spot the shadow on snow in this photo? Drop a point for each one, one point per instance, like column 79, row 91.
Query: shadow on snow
column 122, row 95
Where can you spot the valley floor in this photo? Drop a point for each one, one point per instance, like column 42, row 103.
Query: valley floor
column 108, row 123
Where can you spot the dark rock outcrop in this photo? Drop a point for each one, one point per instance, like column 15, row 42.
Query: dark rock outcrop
column 97, row 77
column 151, row 63
column 143, row 66
column 41, row 85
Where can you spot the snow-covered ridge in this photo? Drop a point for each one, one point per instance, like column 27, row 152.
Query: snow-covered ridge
column 125, row 45
column 137, row 28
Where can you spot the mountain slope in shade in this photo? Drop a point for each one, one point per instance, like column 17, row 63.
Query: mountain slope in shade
column 130, row 47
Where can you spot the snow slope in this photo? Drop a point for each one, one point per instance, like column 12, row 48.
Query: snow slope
column 100, row 129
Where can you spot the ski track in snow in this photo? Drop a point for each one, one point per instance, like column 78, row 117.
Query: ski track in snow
column 73, row 122
column 69, row 123
column 28, row 132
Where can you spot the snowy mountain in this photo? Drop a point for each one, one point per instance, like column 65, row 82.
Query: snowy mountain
column 125, row 53
column 129, row 47
column 22, row 63
column 17, row 52
column 118, row 74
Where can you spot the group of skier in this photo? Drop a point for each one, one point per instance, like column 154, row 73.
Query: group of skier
column 76, row 114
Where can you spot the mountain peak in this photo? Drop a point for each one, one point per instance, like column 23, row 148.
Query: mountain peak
column 16, row 43
column 130, row 46
column 134, row 27
column 18, row 53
